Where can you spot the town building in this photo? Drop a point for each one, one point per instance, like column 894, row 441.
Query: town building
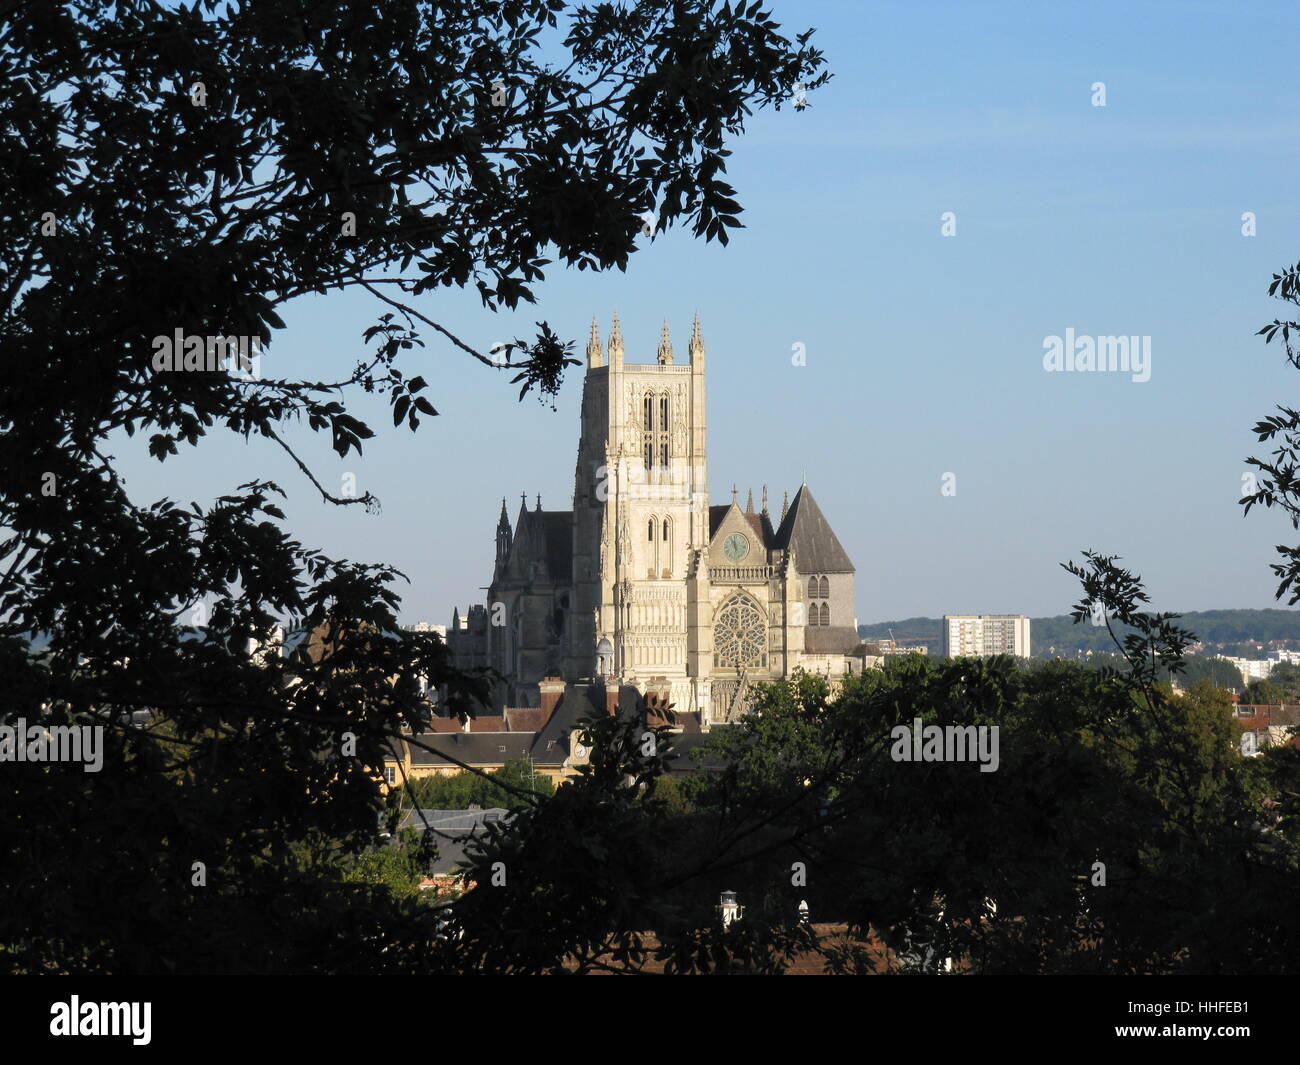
column 551, row 738
column 978, row 635
column 1253, row 668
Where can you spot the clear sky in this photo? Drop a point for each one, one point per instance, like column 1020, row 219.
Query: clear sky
column 924, row 352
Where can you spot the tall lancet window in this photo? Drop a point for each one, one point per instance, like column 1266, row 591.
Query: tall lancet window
column 648, row 431
column 665, row 427
column 656, row 431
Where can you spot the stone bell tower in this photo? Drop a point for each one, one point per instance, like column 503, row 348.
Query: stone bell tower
column 640, row 510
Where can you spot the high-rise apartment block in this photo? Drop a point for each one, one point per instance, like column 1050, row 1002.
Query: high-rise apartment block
column 977, row 635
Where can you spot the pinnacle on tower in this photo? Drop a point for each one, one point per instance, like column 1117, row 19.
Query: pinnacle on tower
column 785, row 506
column 595, row 352
column 696, row 346
column 505, row 537
column 765, row 500
column 539, row 502
column 749, row 506
column 616, row 341
column 733, row 495
column 665, row 346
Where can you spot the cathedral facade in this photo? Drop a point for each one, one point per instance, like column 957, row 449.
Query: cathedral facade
column 643, row 582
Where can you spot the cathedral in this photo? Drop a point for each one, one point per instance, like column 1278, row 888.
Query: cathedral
column 643, row 582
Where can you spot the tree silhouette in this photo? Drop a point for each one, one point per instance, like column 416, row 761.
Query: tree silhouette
column 173, row 176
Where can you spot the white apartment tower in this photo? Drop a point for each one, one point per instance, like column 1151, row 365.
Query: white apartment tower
column 978, row 635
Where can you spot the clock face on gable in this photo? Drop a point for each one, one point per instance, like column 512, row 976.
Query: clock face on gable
column 735, row 546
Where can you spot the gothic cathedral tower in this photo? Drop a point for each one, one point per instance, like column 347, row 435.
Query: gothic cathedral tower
column 640, row 515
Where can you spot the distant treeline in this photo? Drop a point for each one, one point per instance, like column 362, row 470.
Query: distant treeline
column 1224, row 629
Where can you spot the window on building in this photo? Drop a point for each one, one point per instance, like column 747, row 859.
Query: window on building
column 390, row 775
column 655, row 431
column 740, row 634
column 812, row 587
column 648, row 431
column 826, row 588
column 650, row 530
column 665, row 530
column 826, row 614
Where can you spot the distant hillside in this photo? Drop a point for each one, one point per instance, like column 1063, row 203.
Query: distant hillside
column 1226, row 630
column 910, row 630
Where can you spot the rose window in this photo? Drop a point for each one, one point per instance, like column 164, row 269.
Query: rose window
column 740, row 635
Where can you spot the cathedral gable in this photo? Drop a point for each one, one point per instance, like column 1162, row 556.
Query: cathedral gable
column 738, row 539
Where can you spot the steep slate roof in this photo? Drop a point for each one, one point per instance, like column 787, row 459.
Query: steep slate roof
column 559, row 543
column 451, row 820
column 451, row 831
column 685, row 743
column 524, row 718
column 762, row 529
column 806, row 530
column 575, row 704
column 546, row 535
column 482, row 723
column 716, row 514
column 834, row 639
column 474, row 748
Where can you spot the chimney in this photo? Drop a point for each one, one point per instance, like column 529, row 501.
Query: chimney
column 658, row 704
column 552, row 690
column 611, row 696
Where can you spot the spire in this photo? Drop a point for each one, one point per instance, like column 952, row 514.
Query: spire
column 523, row 500
column 505, row 538
column 749, row 507
column 595, row 352
column 696, row 346
column 616, row 342
column 665, row 346
column 785, row 506
column 733, row 495
column 539, row 502
column 765, row 500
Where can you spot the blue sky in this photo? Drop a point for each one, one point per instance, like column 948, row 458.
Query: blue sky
column 924, row 352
